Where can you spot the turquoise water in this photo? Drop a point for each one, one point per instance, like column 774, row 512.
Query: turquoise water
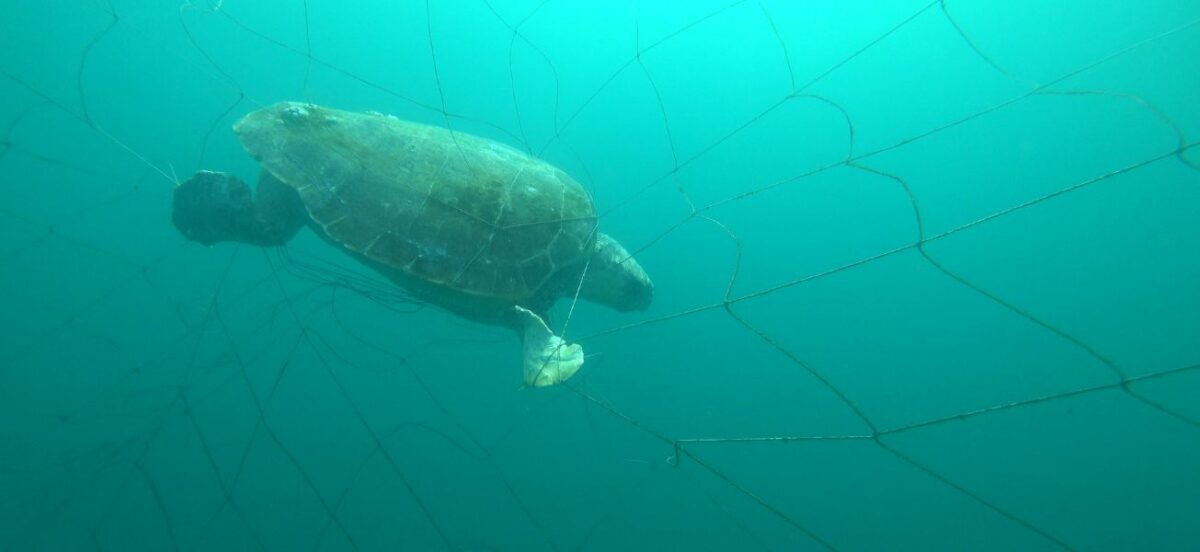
column 925, row 279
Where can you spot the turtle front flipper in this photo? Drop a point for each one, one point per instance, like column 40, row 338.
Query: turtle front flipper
column 213, row 207
column 548, row 359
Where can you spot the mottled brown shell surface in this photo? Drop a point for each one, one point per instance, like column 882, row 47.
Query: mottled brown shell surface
column 446, row 207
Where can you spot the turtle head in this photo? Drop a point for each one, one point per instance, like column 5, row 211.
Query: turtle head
column 614, row 278
column 213, row 207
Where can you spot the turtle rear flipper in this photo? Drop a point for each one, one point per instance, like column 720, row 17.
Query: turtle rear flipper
column 213, row 207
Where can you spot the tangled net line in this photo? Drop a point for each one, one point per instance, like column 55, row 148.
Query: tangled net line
column 247, row 334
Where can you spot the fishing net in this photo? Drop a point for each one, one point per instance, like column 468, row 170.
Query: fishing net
column 925, row 276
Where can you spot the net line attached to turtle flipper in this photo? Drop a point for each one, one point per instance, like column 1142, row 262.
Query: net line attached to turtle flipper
column 307, row 292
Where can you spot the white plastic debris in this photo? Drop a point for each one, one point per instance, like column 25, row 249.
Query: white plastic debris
column 548, row 359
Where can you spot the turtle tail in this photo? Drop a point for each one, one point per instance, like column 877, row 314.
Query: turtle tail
column 213, row 207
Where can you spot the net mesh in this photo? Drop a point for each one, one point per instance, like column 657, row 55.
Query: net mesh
column 925, row 273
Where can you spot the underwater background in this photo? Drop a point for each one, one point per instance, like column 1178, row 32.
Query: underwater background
column 927, row 277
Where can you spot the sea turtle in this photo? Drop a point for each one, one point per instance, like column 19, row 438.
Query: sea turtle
column 461, row 222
